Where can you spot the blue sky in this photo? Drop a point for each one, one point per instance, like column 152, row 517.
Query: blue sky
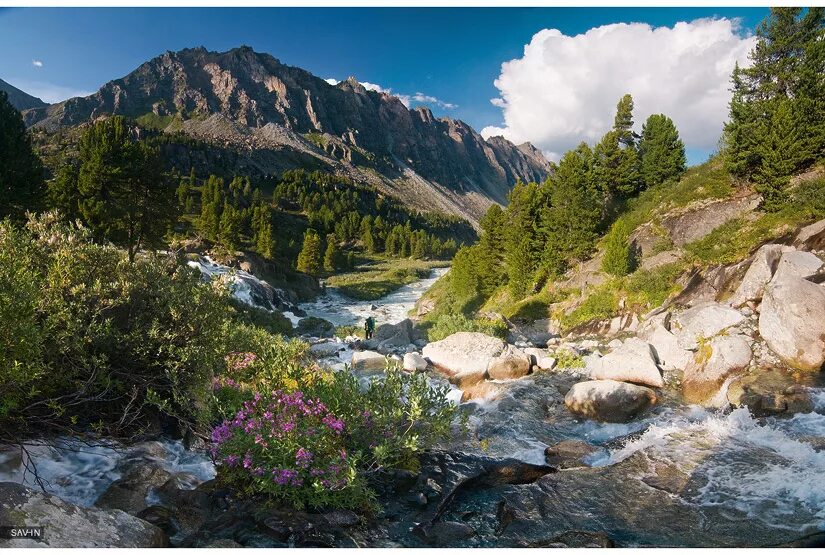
column 453, row 54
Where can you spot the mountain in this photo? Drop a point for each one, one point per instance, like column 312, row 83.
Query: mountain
column 275, row 115
column 20, row 100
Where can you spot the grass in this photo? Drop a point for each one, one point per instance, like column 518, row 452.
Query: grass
column 382, row 276
column 737, row 238
column 151, row 120
column 533, row 307
column 642, row 290
column 705, row 181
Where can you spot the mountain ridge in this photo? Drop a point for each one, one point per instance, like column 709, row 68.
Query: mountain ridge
column 434, row 163
column 20, row 99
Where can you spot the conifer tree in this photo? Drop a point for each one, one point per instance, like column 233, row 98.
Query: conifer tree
column 569, row 224
column 21, row 172
column 309, row 259
column 661, row 151
column 332, row 255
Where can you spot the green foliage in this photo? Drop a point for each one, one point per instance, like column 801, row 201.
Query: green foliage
column 21, row 172
column 321, row 433
column 661, row 151
column 448, row 324
column 90, row 339
column 332, row 255
column 600, row 304
column 566, row 358
column 309, row 260
column 737, row 238
column 619, row 254
column 569, row 224
column 777, row 111
column 521, row 239
column 118, row 189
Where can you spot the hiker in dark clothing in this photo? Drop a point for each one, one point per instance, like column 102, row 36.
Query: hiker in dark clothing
column 369, row 327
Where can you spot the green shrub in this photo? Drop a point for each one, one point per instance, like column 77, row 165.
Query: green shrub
column 311, row 437
column 619, row 254
column 97, row 341
column 600, row 304
column 448, row 324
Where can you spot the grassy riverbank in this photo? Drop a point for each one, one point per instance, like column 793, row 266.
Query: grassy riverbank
column 378, row 276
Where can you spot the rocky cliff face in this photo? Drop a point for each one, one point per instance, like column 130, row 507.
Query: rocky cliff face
column 433, row 162
column 20, row 100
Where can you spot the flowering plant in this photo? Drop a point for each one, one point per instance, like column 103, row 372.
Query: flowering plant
column 291, row 447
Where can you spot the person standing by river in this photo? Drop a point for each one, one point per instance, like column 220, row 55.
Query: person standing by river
column 369, row 327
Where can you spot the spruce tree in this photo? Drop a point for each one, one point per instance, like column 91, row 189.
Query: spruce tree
column 332, row 255
column 21, row 172
column 569, row 225
column 309, row 259
column 623, row 121
column 119, row 190
column 661, row 151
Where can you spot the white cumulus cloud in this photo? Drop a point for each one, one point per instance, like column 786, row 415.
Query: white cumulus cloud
column 564, row 89
column 332, row 81
column 37, row 63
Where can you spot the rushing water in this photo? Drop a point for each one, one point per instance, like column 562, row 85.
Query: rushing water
column 771, row 469
column 80, row 472
column 391, row 309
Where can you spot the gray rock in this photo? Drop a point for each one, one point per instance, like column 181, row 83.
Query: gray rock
column 129, row 492
column 792, row 321
column 327, row 348
column 464, row 353
column 368, row 360
column 66, row 525
column 634, row 361
column 394, row 335
column 414, row 362
column 798, row 264
column 703, row 321
column 513, row 363
column 812, row 237
column 722, row 358
column 541, row 358
column 608, row 400
column 569, row 453
column 758, row 275
column 668, row 352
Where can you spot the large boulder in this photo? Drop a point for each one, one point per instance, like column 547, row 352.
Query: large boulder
column 758, row 275
column 67, row 525
column 389, row 336
column 315, row 327
column 798, row 264
column 714, row 363
column 770, row 391
column 541, row 358
column 368, row 360
column 413, row 362
column 464, row 353
column 511, row 364
column 668, row 352
column 129, row 492
column 812, row 237
column 792, row 321
column 703, row 321
column 608, row 400
column 634, row 361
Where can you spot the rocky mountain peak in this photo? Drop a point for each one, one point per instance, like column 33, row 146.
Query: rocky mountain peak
column 256, row 90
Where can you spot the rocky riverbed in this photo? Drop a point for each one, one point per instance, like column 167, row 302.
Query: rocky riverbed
column 700, row 424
